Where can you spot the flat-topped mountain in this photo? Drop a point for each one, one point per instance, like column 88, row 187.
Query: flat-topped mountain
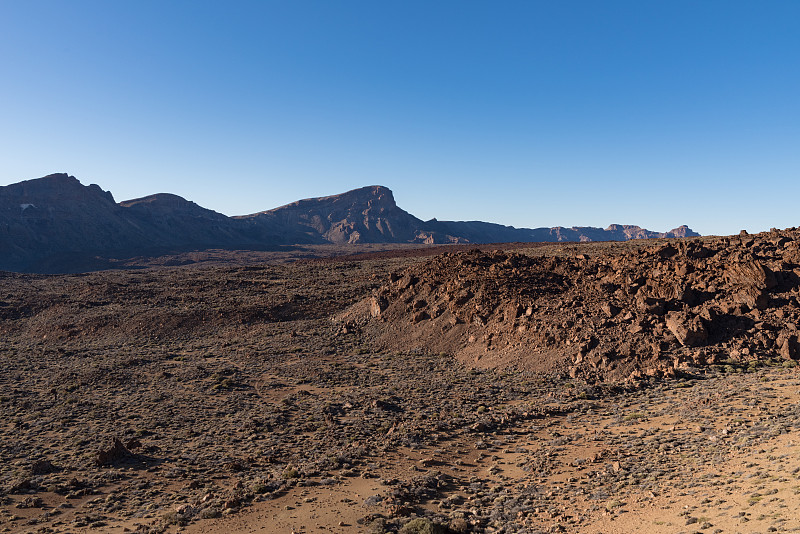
column 57, row 224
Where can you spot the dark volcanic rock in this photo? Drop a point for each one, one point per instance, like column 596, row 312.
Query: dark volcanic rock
column 112, row 454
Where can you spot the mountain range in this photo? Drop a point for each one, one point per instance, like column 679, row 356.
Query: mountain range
column 57, row 224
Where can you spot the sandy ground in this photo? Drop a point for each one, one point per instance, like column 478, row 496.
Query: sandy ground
column 732, row 464
column 226, row 399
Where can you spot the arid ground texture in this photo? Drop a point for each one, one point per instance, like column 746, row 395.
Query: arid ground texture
column 639, row 386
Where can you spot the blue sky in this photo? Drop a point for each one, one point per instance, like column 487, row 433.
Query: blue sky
column 584, row 113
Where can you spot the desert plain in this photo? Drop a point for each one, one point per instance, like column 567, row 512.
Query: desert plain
column 595, row 387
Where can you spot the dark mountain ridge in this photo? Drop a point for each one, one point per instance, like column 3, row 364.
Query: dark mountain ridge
column 56, row 224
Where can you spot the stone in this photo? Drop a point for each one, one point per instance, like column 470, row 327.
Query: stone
column 610, row 309
column 789, row 348
column 419, row 316
column 667, row 251
column 31, row 502
column 689, row 331
column 686, row 294
column 752, row 297
column 112, row 454
column 751, row 274
column 650, row 305
column 42, row 467
column 377, row 306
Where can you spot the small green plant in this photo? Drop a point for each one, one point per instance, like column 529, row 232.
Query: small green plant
column 378, row 526
column 173, row 518
column 459, row 525
column 259, row 488
column 421, row 525
column 291, row 472
column 210, row 513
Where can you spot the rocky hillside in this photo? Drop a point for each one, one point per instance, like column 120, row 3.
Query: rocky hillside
column 55, row 218
column 647, row 312
column 56, row 224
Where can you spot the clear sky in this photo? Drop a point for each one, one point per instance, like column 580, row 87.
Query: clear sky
column 528, row 113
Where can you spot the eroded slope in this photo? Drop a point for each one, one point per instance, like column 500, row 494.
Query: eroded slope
column 619, row 314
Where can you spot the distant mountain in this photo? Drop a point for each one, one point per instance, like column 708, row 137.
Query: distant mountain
column 370, row 215
column 56, row 224
column 365, row 215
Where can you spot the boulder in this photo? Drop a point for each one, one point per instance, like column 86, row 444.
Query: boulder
column 610, row 309
column 752, row 297
column 688, row 330
column 751, row 274
column 115, row 452
column 650, row 305
column 377, row 306
column 667, row 251
column 788, row 347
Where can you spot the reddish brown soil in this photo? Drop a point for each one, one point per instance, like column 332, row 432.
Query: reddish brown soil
column 267, row 398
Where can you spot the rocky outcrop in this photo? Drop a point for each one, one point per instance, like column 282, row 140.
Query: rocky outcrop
column 365, row 215
column 482, row 232
column 648, row 311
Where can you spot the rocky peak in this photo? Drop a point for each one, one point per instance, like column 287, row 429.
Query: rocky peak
column 364, row 215
column 58, row 187
column 629, row 231
column 682, row 231
column 375, row 196
column 372, row 196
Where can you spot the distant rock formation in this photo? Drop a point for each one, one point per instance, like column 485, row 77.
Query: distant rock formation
column 56, row 224
column 365, row 215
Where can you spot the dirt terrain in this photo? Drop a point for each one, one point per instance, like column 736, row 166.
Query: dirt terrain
column 606, row 387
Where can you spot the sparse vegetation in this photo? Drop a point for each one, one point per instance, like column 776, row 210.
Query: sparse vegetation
column 229, row 400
